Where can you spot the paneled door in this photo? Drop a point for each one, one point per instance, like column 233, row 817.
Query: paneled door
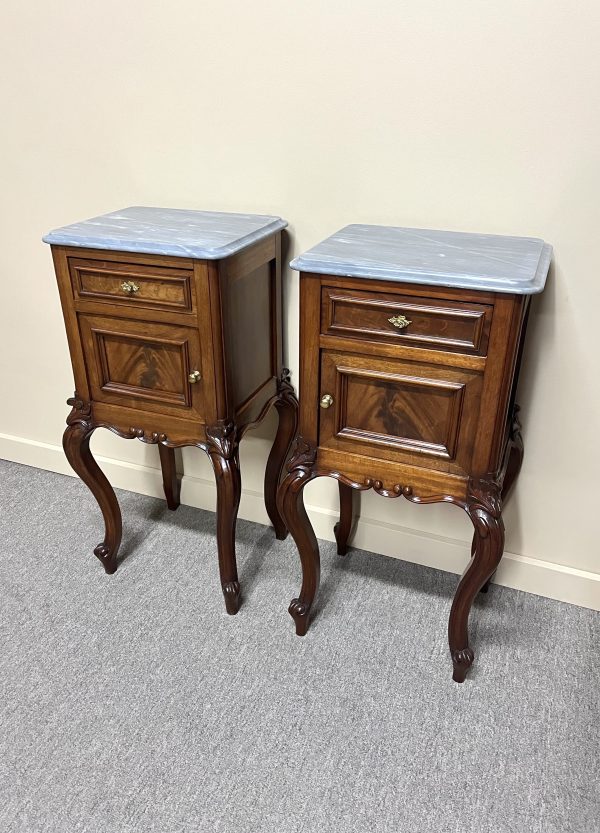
column 412, row 412
column 143, row 364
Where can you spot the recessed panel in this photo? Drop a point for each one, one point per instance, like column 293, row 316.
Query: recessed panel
column 250, row 343
column 407, row 320
column 407, row 412
column 147, row 368
column 153, row 287
column 403, row 411
column 141, row 364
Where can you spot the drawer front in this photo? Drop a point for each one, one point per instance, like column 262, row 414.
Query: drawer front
column 452, row 326
column 153, row 287
column 411, row 412
column 141, row 365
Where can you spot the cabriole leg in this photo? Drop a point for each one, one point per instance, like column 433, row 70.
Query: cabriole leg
column 484, row 508
column 295, row 517
column 223, row 450
column 513, row 467
column 344, row 528
column 76, row 444
column 171, row 481
column 287, row 409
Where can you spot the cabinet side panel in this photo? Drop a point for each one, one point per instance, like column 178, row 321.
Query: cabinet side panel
column 250, row 298
column 250, row 343
column 61, row 267
column 310, row 318
column 498, row 381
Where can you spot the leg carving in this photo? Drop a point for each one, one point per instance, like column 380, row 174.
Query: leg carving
column 511, row 469
column 296, row 520
column 485, row 510
column 76, row 444
column 515, row 455
column 223, row 450
column 344, row 528
column 171, row 481
column 287, row 408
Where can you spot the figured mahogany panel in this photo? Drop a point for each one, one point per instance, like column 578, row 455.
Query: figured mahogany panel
column 399, row 410
column 134, row 362
column 449, row 325
column 135, row 285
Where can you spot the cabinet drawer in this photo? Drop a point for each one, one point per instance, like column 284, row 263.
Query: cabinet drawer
column 410, row 412
column 153, row 287
column 143, row 365
column 452, row 326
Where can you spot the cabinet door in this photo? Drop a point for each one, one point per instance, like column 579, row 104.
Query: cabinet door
column 412, row 412
column 143, row 365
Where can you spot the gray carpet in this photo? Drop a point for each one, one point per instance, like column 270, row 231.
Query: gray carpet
column 133, row 703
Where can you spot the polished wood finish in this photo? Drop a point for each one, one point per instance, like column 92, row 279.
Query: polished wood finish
column 423, row 411
column 171, row 480
column 280, row 451
column 76, row 444
column 344, row 528
column 158, row 287
column 450, row 325
column 177, row 352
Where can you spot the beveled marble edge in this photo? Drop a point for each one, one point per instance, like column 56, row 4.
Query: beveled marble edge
column 63, row 237
column 301, row 263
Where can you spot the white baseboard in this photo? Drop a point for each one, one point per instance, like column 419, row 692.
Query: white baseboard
column 532, row 575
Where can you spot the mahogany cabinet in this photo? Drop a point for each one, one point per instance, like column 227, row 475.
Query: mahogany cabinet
column 410, row 345
column 173, row 319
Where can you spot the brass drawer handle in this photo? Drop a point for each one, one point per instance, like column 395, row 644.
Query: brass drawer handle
column 194, row 377
column 400, row 321
column 326, row 400
column 129, row 286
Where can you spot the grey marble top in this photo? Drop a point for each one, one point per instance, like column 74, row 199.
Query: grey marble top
column 444, row 258
column 209, row 235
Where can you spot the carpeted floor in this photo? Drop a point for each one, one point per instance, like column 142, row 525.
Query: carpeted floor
column 133, row 703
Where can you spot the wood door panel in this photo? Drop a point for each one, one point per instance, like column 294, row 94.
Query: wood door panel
column 410, row 412
column 436, row 324
column 157, row 287
column 148, row 365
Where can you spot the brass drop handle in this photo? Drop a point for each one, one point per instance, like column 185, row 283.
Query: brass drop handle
column 326, row 400
column 400, row 321
column 194, row 377
column 129, row 286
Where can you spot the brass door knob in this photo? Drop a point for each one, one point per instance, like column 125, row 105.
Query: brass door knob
column 129, row 286
column 194, row 377
column 326, row 400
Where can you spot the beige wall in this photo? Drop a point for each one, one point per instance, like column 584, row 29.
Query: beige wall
column 479, row 116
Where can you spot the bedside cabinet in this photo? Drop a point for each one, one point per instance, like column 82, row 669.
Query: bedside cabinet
column 173, row 319
column 410, row 345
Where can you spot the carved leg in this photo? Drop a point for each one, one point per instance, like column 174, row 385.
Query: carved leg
column 171, row 481
column 223, row 450
column 515, row 456
column 349, row 497
column 484, row 508
column 514, row 461
column 287, row 408
column 486, row 586
column 76, row 444
column 296, row 520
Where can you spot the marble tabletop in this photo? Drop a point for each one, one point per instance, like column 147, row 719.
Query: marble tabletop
column 208, row 235
column 444, row 258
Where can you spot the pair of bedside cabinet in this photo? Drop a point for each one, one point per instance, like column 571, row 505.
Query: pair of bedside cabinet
column 410, row 346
